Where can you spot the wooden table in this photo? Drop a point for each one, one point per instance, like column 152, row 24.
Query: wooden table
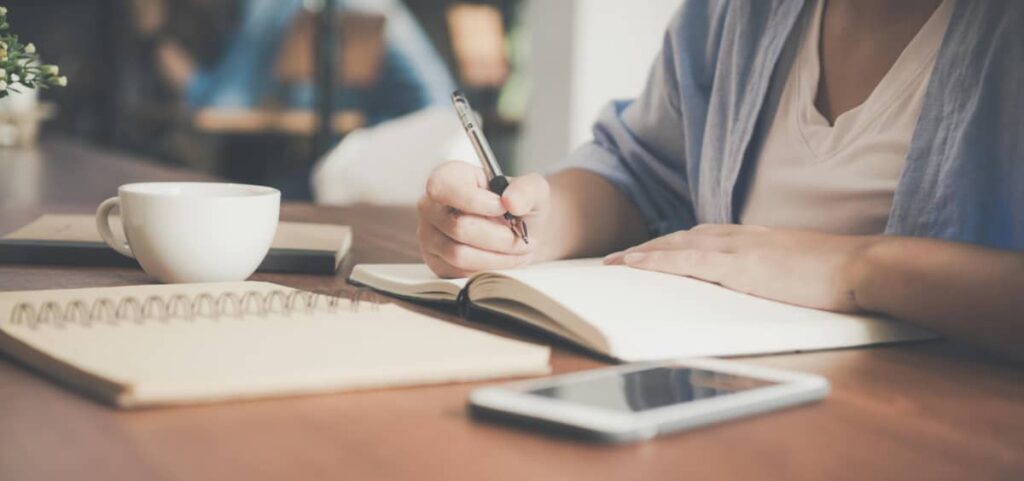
column 930, row 411
column 263, row 121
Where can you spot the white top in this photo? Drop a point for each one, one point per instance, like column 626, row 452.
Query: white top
column 841, row 178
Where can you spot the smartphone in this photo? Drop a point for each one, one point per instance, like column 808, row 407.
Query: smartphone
column 639, row 401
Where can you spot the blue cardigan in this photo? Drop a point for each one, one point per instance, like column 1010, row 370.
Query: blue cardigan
column 682, row 151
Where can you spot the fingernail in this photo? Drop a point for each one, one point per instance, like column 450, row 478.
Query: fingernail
column 612, row 258
column 510, row 206
column 634, row 257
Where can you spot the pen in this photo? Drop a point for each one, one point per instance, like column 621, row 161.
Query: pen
column 496, row 181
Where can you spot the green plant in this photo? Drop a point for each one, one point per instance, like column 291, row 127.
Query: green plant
column 20, row 66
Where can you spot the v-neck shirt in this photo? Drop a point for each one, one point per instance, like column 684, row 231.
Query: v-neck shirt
column 841, row 178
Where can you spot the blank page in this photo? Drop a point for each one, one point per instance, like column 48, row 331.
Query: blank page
column 649, row 315
column 409, row 280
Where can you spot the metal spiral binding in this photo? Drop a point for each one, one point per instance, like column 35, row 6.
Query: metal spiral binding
column 188, row 308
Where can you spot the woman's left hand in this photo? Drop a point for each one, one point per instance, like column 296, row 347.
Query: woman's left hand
column 799, row 267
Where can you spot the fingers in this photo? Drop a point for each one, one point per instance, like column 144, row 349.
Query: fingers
column 526, row 194
column 705, row 237
column 486, row 233
column 442, row 269
column 463, row 187
column 710, row 266
column 691, row 239
column 462, row 229
column 716, row 229
column 448, row 258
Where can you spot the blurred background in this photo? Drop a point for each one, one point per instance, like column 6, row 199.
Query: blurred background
column 337, row 101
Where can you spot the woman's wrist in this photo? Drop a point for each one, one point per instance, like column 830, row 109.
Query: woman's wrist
column 863, row 270
column 556, row 233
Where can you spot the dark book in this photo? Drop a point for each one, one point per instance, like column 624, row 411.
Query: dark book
column 298, row 247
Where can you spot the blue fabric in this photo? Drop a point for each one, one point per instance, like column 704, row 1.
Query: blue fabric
column 412, row 76
column 682, row 151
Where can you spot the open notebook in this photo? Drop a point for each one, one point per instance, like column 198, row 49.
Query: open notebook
column 634, row 315
column 186, row 343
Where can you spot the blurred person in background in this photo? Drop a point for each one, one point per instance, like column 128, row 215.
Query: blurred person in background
column 265, row 57
column 148, row 113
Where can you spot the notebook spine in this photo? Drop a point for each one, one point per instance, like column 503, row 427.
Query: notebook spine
column 462, row 302
column 187, row 307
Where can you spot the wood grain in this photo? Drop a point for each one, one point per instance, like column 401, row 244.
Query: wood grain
column 932, row 411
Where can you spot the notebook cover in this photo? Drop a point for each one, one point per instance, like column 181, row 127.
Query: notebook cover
column 94, row 254
column 213, row 342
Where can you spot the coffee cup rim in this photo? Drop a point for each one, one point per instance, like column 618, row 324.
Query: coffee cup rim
column 199, row 189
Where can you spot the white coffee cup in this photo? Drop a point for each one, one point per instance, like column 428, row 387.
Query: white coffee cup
column 193, row 231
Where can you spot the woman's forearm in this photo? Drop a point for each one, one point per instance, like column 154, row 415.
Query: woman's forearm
column 589, row 217
column 960, row 290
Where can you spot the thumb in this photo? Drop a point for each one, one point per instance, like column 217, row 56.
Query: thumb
column 526, row 194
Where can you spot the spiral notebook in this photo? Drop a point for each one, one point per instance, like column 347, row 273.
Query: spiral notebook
column 636, row 315
column 190, row 343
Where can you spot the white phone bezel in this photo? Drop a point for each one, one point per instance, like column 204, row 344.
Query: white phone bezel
column 793, row 388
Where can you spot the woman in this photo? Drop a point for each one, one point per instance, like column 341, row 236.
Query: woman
column 773, row 146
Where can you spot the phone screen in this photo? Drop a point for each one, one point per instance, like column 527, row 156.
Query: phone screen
column 650, row 388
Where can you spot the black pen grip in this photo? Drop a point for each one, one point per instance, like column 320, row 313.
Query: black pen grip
column 498, row 184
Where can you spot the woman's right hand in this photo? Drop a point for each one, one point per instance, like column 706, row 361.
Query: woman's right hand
column 461, row 225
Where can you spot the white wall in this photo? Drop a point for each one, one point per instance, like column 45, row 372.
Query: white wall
column 583, row 54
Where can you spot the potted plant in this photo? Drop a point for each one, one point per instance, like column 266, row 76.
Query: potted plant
column 22, row 75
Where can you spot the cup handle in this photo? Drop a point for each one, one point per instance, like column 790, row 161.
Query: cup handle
column 103, row 226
